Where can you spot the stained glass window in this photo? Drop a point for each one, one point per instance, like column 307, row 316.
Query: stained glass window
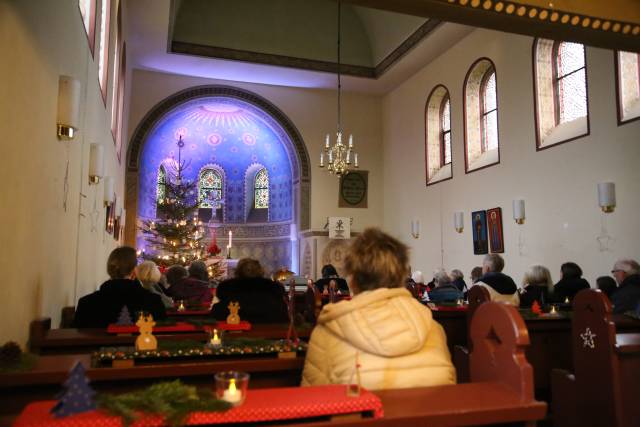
column 210, row 188
column 570, row 84
column 261, row 189
column 88, row 13
column 161, row 190
column 489, row 112
column 103, row 47
column 445, row 125
column 628, row 65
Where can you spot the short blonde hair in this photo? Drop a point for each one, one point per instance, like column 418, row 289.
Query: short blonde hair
column 148, row 273
column 377, row 260
column 538, row 275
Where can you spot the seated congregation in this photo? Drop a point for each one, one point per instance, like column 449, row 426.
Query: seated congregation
column 393, row 338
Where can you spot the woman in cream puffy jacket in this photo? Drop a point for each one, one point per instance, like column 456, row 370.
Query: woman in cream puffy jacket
column 398, row 342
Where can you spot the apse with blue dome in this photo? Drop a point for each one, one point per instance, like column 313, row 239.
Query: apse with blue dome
column 228, row 135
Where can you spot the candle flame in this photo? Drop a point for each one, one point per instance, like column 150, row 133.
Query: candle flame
column 232, row 386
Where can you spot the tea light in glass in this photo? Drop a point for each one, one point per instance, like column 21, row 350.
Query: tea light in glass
column 232, row 386
column 553, row 310
column 215, row 340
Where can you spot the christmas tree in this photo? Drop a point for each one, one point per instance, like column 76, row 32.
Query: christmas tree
column 175, row 236
column 77, row 397
column 124, row 318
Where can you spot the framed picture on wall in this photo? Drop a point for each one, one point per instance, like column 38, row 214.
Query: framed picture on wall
column 353, row 189
column 479, row 228
column 496, row 238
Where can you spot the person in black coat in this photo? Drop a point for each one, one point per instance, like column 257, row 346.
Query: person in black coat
column 571, row 282
column 537, row 286
column 261, row 300
column 102, row 307
column 330, row 273
column 607, row 284
column 627, row 297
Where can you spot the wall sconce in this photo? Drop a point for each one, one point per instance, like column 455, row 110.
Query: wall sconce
column 458, row 221
column 96, row 163
column 68, row 107
column 108, row 190
column 607, row 196
column 415, row 228
column 518, row 211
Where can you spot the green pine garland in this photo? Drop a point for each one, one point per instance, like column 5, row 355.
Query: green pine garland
column 172, row 400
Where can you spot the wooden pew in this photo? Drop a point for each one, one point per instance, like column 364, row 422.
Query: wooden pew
column 604, row 387
column 44, row 381
column 44, row 340
column 501, row 390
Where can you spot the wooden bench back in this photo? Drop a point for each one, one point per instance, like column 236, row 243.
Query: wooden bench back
column 500, row 337
column 605, row 385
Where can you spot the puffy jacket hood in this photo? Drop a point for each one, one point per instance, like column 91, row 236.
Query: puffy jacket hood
column 387, row 322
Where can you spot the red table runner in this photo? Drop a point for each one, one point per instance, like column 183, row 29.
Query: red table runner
column 133, row 329
column 261, row 405
column 203, row 312
column 180, row 327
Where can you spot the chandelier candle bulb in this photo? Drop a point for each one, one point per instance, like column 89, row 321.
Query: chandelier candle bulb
column 350, row 141
column 355, row 160
column 326, row 144
column 321, row 159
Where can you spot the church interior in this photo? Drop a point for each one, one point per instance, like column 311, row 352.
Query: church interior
column 468, row 127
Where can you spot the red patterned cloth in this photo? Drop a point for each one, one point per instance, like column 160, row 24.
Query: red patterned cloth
column 189, row 313
column 242, row 326
column 260, row 405
column 133, row 329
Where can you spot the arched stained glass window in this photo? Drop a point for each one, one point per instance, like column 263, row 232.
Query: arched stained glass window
column 161, row 189
column 210, row 188
column 570, row 82
column 261, row 189
column 628, row 78
column 445, row 131
column 489, row 112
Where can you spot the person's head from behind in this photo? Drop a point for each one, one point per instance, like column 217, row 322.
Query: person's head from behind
column 538, row 275
column 329, row 271
column 476, row 274
column 441, row 278
column 456, row 274
column 624, row 268
column 175, row 274
column 570, row 270
column 606, row 284
column 492, row 263
column 198, row 270
column 376, row 260
column 148, row 274
column 249, row 268
column 418, row 277
column 122, row 262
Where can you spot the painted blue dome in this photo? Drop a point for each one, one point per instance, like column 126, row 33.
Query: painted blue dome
column 231, row 134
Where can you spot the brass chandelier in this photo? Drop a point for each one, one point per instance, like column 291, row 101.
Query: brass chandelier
column 341, row 158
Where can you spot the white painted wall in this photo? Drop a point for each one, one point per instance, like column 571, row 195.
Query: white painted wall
column 314, row 113
column 49, row 256
column 558, row 184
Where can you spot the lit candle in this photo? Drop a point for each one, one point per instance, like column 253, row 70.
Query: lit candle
column 215, row 340
column 181, row 306
column 326, row 143
column 355, row 158
column 349, row 156
column 553, row 310
column 566, row 300
column 330, row 157
column 232, row 395
column 321, row 159
column 350, row 141
column 230, row 237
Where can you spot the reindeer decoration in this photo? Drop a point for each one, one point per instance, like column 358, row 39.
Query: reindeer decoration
column 146, row 340
column 233, row 318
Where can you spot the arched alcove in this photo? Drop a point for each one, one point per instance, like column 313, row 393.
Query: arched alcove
column 234, row 129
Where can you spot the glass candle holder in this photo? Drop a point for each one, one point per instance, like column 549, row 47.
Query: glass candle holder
column 231, row 386
column 215, row 338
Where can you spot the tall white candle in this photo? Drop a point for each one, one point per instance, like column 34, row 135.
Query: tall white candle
column 230, row 237
column 355, row 159
column 326, row 141
column 321, row 159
